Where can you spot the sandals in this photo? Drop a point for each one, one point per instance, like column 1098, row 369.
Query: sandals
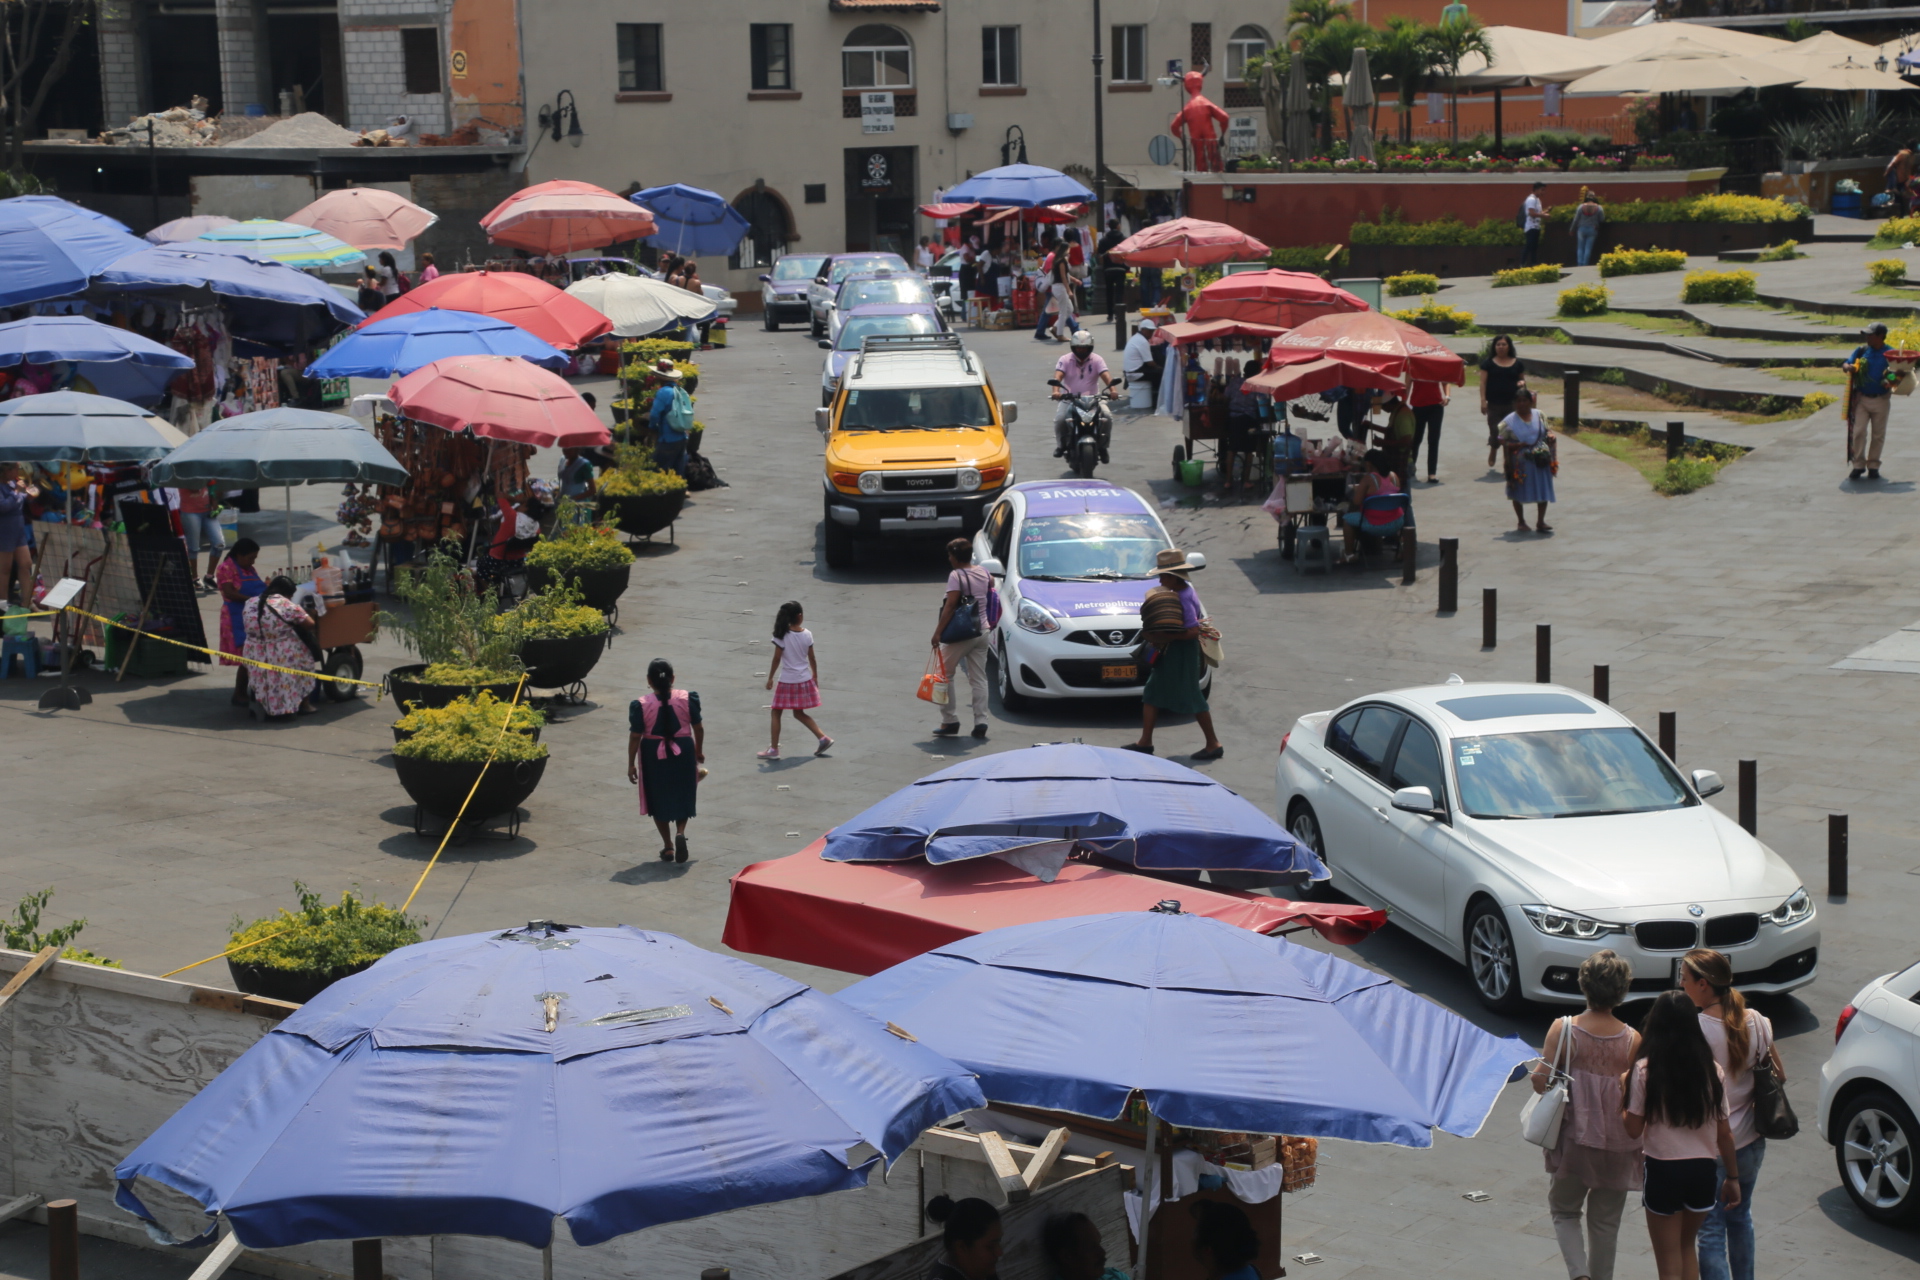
column 666, row 854
column 1543, row 528
column 680, row 848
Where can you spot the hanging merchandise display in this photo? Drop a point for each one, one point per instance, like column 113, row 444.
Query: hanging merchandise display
column 451, row 482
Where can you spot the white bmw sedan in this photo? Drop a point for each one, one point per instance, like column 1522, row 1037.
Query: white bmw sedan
column 1521, row 827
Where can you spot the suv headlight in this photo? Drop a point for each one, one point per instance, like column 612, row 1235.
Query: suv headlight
column 869, row 482
column 1556, row 923
column 969, row 478
column 1033, row 617
column 1796, row 908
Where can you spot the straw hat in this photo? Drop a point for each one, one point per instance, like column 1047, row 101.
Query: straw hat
column 663, row 368
column 1173, row 561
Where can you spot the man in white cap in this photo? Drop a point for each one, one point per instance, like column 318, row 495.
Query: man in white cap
column 1079, row 373
column 1142, row 361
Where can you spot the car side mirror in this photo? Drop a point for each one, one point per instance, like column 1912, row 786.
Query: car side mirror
column 993, row 567
column 1009, row 413
column 1196, row 559
column 825, row 345
column 1414, row 800
column 823, row 420
column 1707, row 783
column 766, row 279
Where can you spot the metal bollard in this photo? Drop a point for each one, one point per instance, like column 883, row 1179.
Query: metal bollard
column 1670, row 735
column 366, row 1260
column 1750, row 796
column 1676, row 439
column 1489, row 611
column 1409, row 551
column 1543, row 654
column 63, row 1240
column 1836, row 856
column 1602, row 683
column 1449, row 575
column 1570, row 400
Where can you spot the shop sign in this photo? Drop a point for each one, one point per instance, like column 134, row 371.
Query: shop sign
column 876, row 112
column 1243, row 135
column 877, row 175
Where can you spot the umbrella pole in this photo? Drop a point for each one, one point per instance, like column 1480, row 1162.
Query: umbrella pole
column 288, row 491
column 1148, row 1190
column 546, row 1262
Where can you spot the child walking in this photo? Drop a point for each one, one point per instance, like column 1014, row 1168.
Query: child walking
column 798, row 672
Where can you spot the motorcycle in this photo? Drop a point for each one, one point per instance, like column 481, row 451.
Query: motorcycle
column 1089, row 428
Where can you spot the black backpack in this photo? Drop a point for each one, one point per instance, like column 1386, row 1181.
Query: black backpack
column 1520, row 218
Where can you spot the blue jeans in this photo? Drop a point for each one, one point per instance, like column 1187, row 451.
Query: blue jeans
column 1584, row 239
column 1726, row 1237
column 671, row 455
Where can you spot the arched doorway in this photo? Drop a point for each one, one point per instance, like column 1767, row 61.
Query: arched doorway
column 770, row 227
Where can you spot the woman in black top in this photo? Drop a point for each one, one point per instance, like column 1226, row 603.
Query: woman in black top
column 970, row 1229
column 1501, row 374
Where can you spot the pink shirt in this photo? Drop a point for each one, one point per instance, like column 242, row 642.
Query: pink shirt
column 1662, row 1141
column 1078, row 377
column 1739, row 1083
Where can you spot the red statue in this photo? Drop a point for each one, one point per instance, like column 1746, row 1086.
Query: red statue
column 1202, row 124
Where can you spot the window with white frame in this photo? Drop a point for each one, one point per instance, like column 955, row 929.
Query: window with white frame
column 876, row 57
column 1245, row 44
column 1000, row 56
column 1129, row 54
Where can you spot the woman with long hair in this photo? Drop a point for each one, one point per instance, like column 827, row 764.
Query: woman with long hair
column 388, row 273
column 1501, row 375
column 1677, row 1107
column 970, row 1229
column 798, row 673
column 1740, row 1037
column 280, row 638
column 666, row 746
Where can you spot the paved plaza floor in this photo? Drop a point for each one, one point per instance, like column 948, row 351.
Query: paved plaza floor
column 160, row 813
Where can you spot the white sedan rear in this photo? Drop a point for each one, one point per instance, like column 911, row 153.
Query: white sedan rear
column 1521, row 827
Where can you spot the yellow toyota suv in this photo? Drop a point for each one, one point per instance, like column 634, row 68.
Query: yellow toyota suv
column 916, row 443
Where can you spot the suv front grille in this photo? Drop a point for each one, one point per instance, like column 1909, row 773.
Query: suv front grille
column 1667, row 935
column 920, row 482
column 1111, row 638
column 1732, row 931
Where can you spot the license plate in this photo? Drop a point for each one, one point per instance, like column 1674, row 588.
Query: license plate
column 922, row 513
column 1128, row 672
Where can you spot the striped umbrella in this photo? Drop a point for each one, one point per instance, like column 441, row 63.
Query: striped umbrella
column 288, row 242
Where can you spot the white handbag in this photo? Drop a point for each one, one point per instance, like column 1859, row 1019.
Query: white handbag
column 1540, row 1118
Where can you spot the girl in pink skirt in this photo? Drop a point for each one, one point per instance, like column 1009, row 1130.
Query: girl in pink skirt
column 798, row 675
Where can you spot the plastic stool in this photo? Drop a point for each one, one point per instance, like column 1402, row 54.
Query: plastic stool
column 25, row 648
column 1311, row 551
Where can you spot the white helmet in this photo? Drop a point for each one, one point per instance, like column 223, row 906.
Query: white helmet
column 1081, row 338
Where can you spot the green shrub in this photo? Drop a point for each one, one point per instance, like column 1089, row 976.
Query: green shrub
column 580, row 548
column 1640, row 262
column 651, row 349
column 1715, row 208
column 1785, row 251
column 1585, row 300
column 22, row 932
column 468, row 714
column 449, row 623
column 1412, row 284
column 629, row 484
column 1718, row 286
column 465, row 673
column 1684, row 475
column 1897, row 231
column 1310, row 258
column 1545, row 273
column 1447, row 231
column 324, row 939
column 1431, row 311
column 1816, row 401
column 471, row 730
column 557, row 614
column 1887, row 270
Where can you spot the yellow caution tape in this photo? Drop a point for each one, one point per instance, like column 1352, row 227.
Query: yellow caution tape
column 378, row 686
column 505, row 726
column 46, row 613
column 224, row 954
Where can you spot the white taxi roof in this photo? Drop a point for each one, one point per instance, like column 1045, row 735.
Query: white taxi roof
column 1473, row 709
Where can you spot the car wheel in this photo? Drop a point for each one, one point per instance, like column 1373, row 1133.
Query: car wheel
column 1011, row 699
column 826, row 398
column 1491, row 960
column 838, row 539
column 1303, row 824
column 814, row 326
column 773, row 325
column 1179, row 456
column 1876, row 1154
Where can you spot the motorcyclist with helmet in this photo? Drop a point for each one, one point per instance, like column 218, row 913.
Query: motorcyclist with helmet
column 1080, row 373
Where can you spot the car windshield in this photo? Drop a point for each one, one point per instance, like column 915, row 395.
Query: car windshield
column 859, row 266
column 1564, row 773
column 859, row 293
column 1091, row 545
column 902, row 409
column 796, row 268
column 867, row 326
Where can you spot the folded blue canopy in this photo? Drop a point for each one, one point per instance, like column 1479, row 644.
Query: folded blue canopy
column 1122, row 804
column 486, row 1084
column 1219, row 1027
column 49, row 249
column 397, row 345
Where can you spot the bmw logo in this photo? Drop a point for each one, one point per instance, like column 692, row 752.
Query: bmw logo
column 1696, row 911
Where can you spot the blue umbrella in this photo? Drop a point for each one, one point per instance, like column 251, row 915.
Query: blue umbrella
column 117, row 362
column 485, row 1084
column 65, row 206
column 265, row 300
column 691, row 220
column 397, row 345
column 1022, row 186
column 1218, row 1027
column 48, row 251
column 1037, row 803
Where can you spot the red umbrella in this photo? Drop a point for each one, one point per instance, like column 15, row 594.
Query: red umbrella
column 562, row 216
column 514, row 296
column 1188, row 242
column 1370, row 341
column 1292, row 381
column 502, row 398
column 1287, row 298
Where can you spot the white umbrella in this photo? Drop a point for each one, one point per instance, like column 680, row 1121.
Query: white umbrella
column 1651, row 38
column 1838, row 75
column 639, row 305
column 1682, row 66
column 1522, row 56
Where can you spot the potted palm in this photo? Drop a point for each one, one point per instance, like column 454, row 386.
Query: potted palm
column 452, row 629
column 467, row 762
column 295, row 955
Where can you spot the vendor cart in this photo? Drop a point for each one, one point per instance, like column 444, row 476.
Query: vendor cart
column 341, row 630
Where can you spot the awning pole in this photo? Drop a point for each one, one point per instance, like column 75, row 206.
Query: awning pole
column 1147, row 1191
column 546, row 1262
column 288, row 490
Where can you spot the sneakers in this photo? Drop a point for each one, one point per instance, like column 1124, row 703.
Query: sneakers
column 771, row 753
column 825, row 742
column 948, row 730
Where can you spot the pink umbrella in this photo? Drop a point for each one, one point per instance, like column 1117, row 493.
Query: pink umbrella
column 563, row 215
column 500, row 397
column 366, row 217
column 1287, row 298
column 190, row 228
column 1188, row 242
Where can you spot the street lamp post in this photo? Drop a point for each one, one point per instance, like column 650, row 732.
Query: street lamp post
column 1100, row 162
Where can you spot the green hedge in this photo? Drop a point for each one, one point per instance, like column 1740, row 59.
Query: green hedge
column 1311, row 258
column 1447, row 231
column 1718, row 286
column 1715, row 208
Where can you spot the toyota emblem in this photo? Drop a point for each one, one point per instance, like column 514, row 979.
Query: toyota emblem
column 1696, row 911
column 1116, row 637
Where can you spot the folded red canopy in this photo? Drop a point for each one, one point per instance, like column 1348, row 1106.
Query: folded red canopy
column 864, row 917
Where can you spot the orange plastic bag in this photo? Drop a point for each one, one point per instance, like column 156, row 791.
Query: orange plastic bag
column 934, row 687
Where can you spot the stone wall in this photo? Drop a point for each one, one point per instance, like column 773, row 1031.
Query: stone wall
column 461, row 200
column 376, row 68
column 123, row 69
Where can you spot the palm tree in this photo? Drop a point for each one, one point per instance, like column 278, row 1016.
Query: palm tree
column 1453, row 41
column 1405, row 54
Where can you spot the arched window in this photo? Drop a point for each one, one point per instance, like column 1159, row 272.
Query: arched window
column 876, row 57
column 1245, row 42
column 769, row 226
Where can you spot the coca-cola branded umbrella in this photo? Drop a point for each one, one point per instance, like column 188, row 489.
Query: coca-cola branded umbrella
column 1292, row 381
column 563, row 216
column 514, row 296
column 1285, row 298
column 1371, row 341
column 501, row 398
column 1188, row 242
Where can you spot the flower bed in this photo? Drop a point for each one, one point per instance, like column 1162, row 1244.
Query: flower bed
column 1718, row 286
column 1887, row 271
column 1435, row 317
column 1585, row 300
column 1545, row 273
column 1412, row 284
column 1641, row 262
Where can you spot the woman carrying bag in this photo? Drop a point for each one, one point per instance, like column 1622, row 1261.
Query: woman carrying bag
column 967, row 615
column 1532, row 461
column 1594, row 1162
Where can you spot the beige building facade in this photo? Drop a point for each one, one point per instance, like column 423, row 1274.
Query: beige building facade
column 768, row 102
